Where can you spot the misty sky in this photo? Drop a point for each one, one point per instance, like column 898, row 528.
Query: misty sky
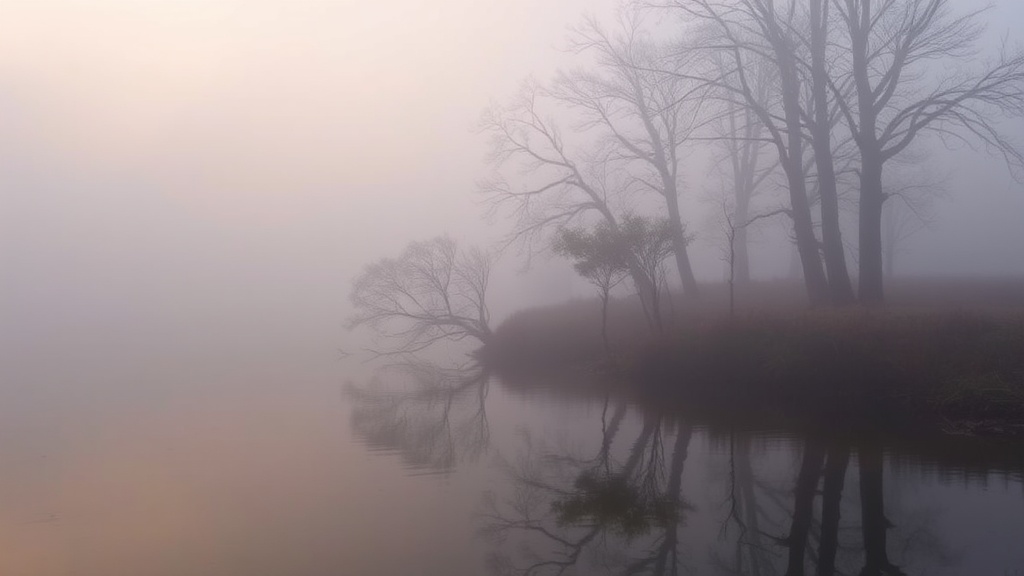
column 173, row 158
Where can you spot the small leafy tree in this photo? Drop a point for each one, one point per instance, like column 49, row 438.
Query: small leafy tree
column 607, row 254
column 599, row 257
column 433, row 291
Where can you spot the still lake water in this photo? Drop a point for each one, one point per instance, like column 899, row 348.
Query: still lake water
column 249, row 456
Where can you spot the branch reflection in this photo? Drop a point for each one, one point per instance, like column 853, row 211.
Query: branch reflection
column 754, row 504
column 614, row 512
column 434, row 417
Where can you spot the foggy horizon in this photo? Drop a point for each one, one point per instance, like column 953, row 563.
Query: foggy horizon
column 161, row 153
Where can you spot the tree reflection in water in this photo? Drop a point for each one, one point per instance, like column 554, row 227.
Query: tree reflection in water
column 621, row 512
column 815, row 533
column 619, row 508
column 744, row 525
column 601, row 513
column 433, row 416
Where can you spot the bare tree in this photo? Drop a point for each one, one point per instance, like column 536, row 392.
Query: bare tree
column 556, row 186
column 753, row 33
column 432, row 292
column 732, row 230
column 821, row 123
column 741, row 140
column 900, row 95
column 643, row 116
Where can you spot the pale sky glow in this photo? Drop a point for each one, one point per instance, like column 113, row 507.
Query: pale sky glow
column 163, row 159
column 250, row 100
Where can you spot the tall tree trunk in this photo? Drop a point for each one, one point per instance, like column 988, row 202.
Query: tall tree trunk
column 803, row 225
column 604, row 322
column 840, row 288
column 871, row 201
column 871, row 196
column 806, row 241
column 732, row 270
column 741, row 256
column 679, row 243
column 744, row 158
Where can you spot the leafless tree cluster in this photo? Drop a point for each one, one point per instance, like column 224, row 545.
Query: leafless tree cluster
column 830, row 91
column 596, row 145
column 878, row 74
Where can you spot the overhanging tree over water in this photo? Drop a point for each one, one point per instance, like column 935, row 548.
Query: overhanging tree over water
column 433, row 291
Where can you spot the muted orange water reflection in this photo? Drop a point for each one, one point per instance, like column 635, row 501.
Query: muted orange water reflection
column 254, row 462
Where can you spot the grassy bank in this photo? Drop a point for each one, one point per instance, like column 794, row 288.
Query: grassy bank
column 960, row 369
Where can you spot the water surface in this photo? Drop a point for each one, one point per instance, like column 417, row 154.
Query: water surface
column 228, row 456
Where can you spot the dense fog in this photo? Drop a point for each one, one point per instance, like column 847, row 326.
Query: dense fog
column 175, row 163
column 214, row 212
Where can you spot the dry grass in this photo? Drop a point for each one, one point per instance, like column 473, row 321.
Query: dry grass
column 952, row 354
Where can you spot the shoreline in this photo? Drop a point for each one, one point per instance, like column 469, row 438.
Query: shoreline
column 961, row 373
